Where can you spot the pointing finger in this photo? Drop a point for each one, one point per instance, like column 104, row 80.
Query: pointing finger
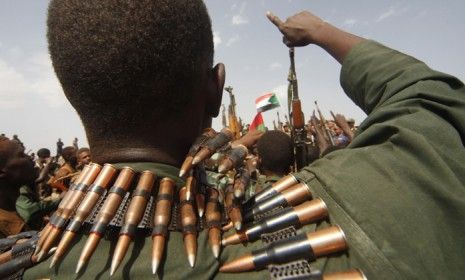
column 274, row 19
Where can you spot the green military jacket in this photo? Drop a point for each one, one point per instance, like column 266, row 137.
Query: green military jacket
column 137, row 263
column 31, row 210
column 397, row 190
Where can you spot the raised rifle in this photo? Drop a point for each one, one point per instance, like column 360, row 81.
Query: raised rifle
column 280, row 123
column 324, row 125
column 223, row 116
column 299, row 134
column 233, row 122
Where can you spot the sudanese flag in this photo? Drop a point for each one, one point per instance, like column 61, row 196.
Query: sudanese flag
column 257, row 123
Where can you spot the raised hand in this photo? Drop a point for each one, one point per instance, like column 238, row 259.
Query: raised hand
column 298, row 30
column 341, row 121
column 305, row 28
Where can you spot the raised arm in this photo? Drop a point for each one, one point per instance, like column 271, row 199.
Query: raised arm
column 305, row 28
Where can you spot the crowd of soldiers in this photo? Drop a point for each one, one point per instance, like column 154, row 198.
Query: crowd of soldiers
column 267, row 161
column 38, row 200
column 165, row 195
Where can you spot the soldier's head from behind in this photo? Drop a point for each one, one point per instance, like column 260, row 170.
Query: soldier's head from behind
column 69, row 155
column 43, row 154
column 16, row 169
column 275, row 153
column 138, row 72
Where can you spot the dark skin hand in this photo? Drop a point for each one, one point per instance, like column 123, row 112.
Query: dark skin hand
column 248, row 140
column 319, row 135
column 305, row 28
column 341, row 121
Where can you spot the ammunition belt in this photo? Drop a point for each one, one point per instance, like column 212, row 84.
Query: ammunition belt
column 146, row 225
column 294, row 270
column 20, row 258
column 290, row 271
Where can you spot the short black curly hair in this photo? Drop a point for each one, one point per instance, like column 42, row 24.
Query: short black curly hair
column 276, row 151
column 120, row 61
column 69, row 153
column 43, row 153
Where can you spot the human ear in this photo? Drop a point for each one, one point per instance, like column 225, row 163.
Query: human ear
column 215, row 90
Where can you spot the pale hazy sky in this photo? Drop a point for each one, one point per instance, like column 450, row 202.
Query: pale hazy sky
column 32, row 104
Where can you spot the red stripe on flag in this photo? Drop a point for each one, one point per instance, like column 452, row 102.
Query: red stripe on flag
column 257, row 123
column 266, row 96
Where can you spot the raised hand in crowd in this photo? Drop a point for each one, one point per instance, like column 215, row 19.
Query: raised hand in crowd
column 305, row 28
column 320, row 138
column 341, row 121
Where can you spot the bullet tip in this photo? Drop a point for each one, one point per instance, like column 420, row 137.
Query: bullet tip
column 37, row 250
column 221, row 168
column 216, row 251
column 52, row 251
column 114, row 266
column 238, row 225
column 40, row 255
column 195, row 160
column 238, row 193
column 79, row 266
column 188, row 195
column 182, row 172
column 52, row 263
column 155, row 265
column 201, row 213
column 244, row 263
column 191, row 260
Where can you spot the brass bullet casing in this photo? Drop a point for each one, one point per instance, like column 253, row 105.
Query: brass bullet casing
column 140, row 198
column 311, row 211
column 277, row 187
column 233, row 158
column 161, row 220
column 354, row 274
column 76, row 195
column 227, row 226
column 233, row 210
column 303, row 246
column 133, row 217
column 213, row 144
column 189, row 226
column 115, row 196
column 5, row 257
column 187, row 164
column 100, row 184
column 46, row 231
column 200, row 202
column 241, row 264
column 70, row 192
column 80, row 190
column 241, row 183
column 303, row 214
column 191, row 186
column 289, row 197
column 43, row 236
column 106, row 214
column 213, row 221
column 327, row 241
